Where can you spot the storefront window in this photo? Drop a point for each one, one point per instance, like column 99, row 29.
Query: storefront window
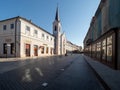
column 104, row 49
column 98, row 50
column 89, row 50
column 109, row 48
column 93, row 50
column 109, row 40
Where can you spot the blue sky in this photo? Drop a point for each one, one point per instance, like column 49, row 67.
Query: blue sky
column 75, row 15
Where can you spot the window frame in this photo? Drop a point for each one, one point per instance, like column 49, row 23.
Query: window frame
column 12, row 26
column 27, row 30
column 4, row 27
column 36, row 33
column 109, row 44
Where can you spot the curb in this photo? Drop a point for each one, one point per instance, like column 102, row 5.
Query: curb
column 104, row 84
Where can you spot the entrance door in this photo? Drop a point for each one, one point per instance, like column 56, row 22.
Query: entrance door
column 35, row 50
column 51, row 51
column 27, row 50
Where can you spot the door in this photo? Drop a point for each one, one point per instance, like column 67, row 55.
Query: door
column 27, row 50
column 35, row 50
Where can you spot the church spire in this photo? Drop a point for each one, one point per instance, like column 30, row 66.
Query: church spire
column 57, row 15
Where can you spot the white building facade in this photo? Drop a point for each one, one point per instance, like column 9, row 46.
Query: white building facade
column 70, row 47
column 21, row 38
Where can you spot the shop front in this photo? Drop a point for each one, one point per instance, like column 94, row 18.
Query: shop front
column 104, row 49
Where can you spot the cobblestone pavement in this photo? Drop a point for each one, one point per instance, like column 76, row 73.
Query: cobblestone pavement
column 38, row 73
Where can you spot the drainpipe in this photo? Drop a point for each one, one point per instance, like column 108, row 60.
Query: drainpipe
column 15, row 34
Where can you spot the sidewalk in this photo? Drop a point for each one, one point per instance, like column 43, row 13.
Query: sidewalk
column 109, row 76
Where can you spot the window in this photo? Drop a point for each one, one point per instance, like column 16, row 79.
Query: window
column 35, row 33
column 43, row 36
column 89, row 49
column 47, row 37
column 98, row 50
column 55, row 28
column 27, row 30
column 109, row 48
column 93, row 50
column 104, row 49
column 4, row 48
column 47, row 50
column 4, row 27
column 51, row 39
column 12, row 26
column 12, row 48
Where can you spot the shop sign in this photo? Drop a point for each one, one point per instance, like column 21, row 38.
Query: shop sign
column 45, row 44
column 8, row 40
column 27, row 41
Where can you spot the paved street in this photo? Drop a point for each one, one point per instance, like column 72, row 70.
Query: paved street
column 50, row 73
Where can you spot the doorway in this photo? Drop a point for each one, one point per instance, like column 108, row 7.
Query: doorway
column 27, row 50
column 35, row 50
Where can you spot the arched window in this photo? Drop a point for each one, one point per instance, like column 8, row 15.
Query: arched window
column 55, row 28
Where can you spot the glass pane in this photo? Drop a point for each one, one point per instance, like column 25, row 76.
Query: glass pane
column 109, row 40
column 93, row 50
column 104, row 42
column 98, row 50
column 109, row 53
column 103, row 52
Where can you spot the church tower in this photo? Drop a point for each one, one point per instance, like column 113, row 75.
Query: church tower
column 57, row 32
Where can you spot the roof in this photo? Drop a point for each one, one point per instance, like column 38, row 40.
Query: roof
column 29, row 21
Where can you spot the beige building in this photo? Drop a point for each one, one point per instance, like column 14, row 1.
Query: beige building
column 70, row 47
column 20, row 37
